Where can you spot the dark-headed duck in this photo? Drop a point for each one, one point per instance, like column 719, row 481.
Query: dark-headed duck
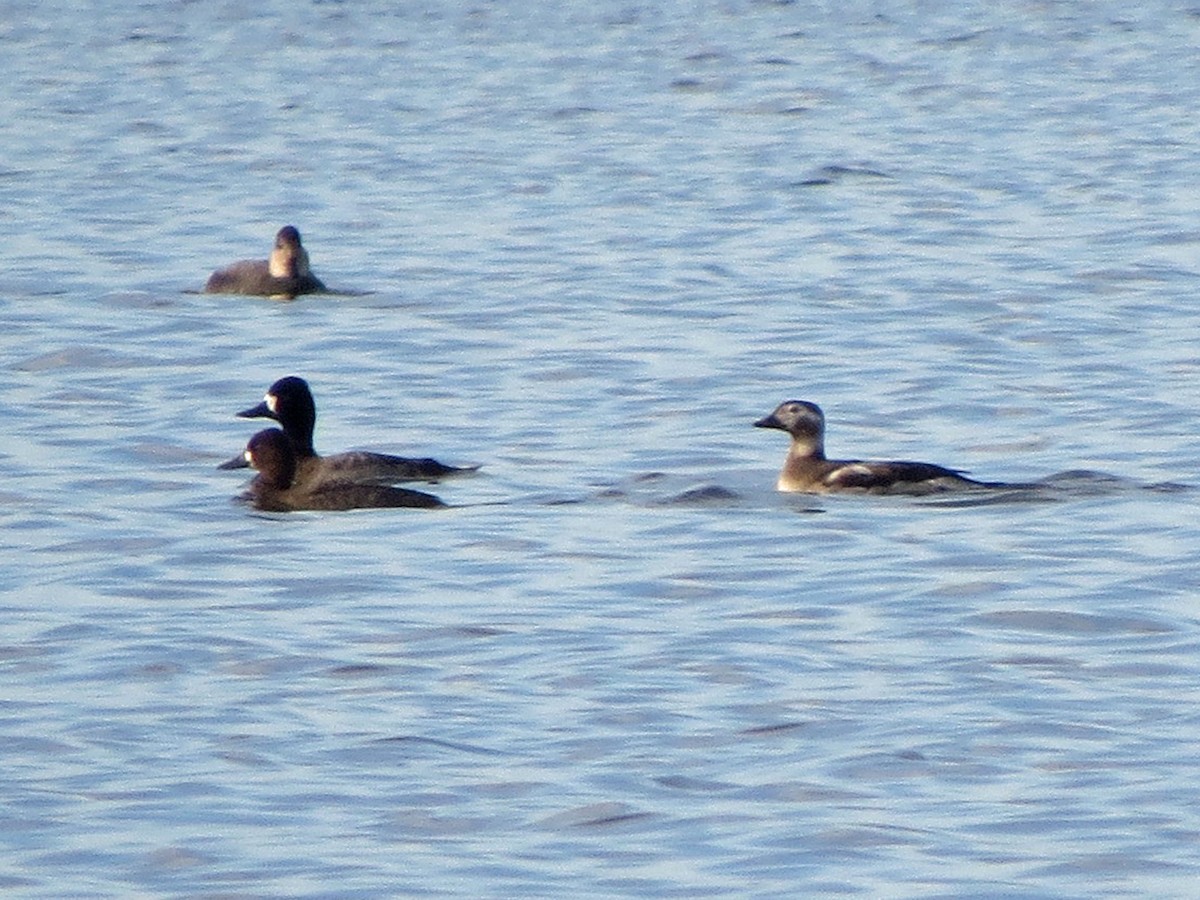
column 290, row 403
column 806, row 470
column 276, row 487
column 285, row 275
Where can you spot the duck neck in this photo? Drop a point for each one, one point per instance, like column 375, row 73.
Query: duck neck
column 807, row 448
column 303, row 443
column 298, row 424
column 283, row 263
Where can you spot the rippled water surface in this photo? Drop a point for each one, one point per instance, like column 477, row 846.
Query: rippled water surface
column 587, row 246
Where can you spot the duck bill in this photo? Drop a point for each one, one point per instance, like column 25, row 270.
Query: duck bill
column 769, row 422
column 238, row 462
column 262, row 411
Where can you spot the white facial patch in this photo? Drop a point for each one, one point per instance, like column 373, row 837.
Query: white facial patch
column 272, row 402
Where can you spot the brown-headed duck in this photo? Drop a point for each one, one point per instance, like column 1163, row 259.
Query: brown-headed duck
column 285, row 275
column 276, row 487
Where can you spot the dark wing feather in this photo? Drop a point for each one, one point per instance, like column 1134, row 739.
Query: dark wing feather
column 882, row 476
column 382, row 468
column 366, row 496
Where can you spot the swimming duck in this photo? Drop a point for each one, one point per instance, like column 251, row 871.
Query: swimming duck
column 285, row 275
column 290, row 403
column 276, row 489
column 806, row 470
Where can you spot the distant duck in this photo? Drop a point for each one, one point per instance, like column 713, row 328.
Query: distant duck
column 290, row 403
column 276, row 487
column 806, row 470
column 285, row 275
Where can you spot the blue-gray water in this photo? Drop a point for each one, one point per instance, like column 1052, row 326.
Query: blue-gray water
column 586, row 246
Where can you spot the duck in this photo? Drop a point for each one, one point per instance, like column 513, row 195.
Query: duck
column 285, row 275
column 806, row 469
column 276, row 487
column 289, row 401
